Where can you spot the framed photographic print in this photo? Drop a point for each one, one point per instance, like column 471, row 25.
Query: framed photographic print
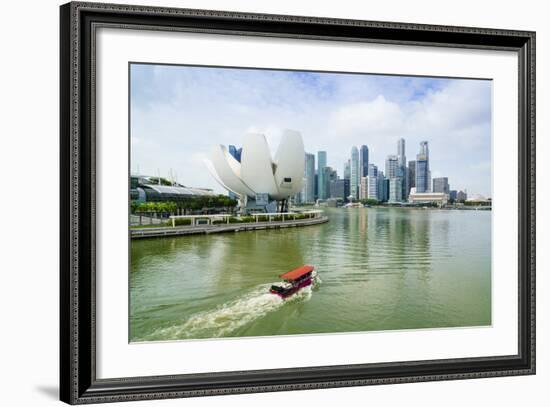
column 255, row 203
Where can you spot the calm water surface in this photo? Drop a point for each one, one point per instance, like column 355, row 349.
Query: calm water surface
column 379, row 269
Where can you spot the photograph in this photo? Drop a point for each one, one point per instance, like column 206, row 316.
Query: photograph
column 267, row 202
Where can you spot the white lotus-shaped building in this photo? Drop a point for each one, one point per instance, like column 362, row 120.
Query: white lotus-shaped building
column 257, row 172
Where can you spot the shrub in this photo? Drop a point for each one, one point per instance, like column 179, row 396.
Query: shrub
column 180, row 222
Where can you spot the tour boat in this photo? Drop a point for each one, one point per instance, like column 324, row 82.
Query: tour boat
column 293, row 281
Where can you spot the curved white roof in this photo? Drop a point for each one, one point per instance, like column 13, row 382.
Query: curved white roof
column 257, row 172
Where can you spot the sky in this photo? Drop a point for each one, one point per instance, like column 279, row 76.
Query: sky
column 179, row 112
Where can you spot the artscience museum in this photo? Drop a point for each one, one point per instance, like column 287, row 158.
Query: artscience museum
column 261, row 182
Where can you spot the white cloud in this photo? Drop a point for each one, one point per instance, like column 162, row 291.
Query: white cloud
column 178, row 113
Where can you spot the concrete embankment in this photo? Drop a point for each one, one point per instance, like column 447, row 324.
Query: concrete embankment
column 140, row 233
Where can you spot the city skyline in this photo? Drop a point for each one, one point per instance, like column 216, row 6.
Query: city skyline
column 177, row 115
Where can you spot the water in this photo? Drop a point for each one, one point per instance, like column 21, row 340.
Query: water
column 379, row 269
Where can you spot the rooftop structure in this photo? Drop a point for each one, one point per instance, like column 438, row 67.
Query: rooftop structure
column 257, row 173
column 145, row 188
column 428, row 197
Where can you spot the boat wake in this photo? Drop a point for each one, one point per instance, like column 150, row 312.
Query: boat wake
column 228, row 317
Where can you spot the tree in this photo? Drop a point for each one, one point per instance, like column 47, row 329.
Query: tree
column 369, row 201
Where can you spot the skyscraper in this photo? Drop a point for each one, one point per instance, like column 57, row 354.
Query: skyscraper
column 424, row 149
column 402, row 160
column 396, row 189
column 347, row 170
column 373, row 170
column 461, row 196
column 354, row 173
column 394, row 172
column 381, row 193
column 452, row 195
column 340, row 189
column 321, row 183
column 236, row 153
column 402, row 167
column 391, row 166
column 372, row 183
column 308, row 191
column 412, row 174
column 364, row 161
column 441, row 185
column 364, row 190
column 423, row 169
column 329, row 176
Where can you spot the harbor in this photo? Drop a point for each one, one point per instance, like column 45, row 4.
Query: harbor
column 378, row 269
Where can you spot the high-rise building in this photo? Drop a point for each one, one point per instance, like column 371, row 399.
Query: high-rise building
column 347, row 170
column 441, row 185
column 412, row 174
column 372, row 187
column 391, row 166
column 364, row 161
column 308, row 188
column 402, row 167
column 396, row 189
column 422, row 170
column 372, row 182
column 452, row 195
column 394, row 170
column 461, row 196
column 316, row 185
column 402, row 159
column 422, row 177
column 424, row 150
column 364, row 190
column 329, row 176
column 373, row 170
column 236, row 154
column 385, row 193
column 354, row 173
column 321, row 183
column 382, row 191
column 298, row 198
column 340, row 189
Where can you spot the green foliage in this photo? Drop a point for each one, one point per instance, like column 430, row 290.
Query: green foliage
column 179, row 222
column 203, row 202
column 195, row 203
column 370, row 201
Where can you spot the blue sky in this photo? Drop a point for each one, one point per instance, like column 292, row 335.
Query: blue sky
column 179, row 112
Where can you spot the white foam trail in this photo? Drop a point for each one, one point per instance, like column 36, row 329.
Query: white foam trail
column 230, row 316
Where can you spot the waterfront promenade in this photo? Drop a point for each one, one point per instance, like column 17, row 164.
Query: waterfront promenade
column 141, row 233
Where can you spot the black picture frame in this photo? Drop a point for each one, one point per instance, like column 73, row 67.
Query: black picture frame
column 78, row 382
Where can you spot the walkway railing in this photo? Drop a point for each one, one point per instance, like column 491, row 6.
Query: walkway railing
column 208, row 219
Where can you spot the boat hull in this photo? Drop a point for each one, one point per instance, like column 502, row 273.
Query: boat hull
column 302, row 284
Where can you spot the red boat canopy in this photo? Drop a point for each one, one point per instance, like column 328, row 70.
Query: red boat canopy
column 297, row 273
